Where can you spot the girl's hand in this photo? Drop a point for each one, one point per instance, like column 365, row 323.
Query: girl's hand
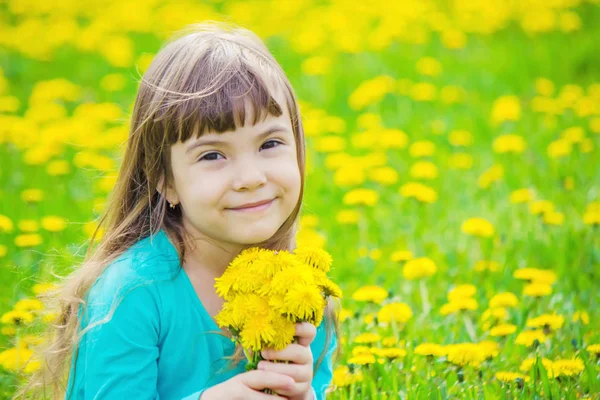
column 300, row 368
column 249, row 386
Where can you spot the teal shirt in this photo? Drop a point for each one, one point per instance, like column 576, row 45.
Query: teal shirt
column 159, row 342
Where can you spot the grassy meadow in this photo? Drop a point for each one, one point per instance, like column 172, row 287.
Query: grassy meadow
column 453, row 172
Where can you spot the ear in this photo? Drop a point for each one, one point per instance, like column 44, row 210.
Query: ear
column 168, row 192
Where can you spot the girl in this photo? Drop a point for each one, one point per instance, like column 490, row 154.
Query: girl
column 214, row 164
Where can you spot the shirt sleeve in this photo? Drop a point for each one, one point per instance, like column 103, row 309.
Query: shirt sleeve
column 323, row 376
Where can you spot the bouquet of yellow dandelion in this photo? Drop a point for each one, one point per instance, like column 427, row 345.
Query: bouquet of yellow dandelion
column 267, row 292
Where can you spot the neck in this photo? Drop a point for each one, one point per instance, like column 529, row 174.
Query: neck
column 206, row 256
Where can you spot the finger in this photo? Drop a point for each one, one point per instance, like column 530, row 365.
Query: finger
column 259, row 380
column 299, row 373
column 306, row 333
column 294, row 353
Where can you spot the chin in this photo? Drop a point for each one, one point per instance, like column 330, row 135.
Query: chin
column 254, row 236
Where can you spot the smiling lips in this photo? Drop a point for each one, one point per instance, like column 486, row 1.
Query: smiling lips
column 256, row 206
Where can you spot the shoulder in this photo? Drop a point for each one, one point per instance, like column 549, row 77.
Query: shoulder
column 142, row 265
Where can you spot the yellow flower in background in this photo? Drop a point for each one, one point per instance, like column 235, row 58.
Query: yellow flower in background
column 398, row 312
column 567, row 367
column 42, row 288
column 424, row 170
column 423, row 91
column 544, row 87
column 541, row 207
column 463, row 354
column 390, row 353
column 429, row 66
column 347, row 217
column 491, row 175
column 330, row 144
column 6, row 224
column 430, row 349
column 384, row 175
column 460, row 137
column 478, row 227
column 574, row 134
column 316, row 65
column 366, row 197
column 460, row 161
column 349, row 175
column 419, row 191
column 32, row 195
column 367, row 338
column 509, row 377
column 454, row 39
column 536, row 275
column 28, row 305
column 537, row 289
column 28, row 240
column 460, row 304
column 28, row 225
column 390, row 341
column 504, row 299
column 363, row 359
column 16, row 358
column 3, row 250
column 371, row 91
column 54, row 223
column 528, row 363
column 594, row 349
column 509, row 143
column 343, row 377
column 58, row 168
column 503, row 330
column 423, row 148
column 17, row 317
column 549, row 322
column 553, row 218
column 418, row 268
column 506, row 108
column 461, row 292
column 582, row 316
column 482, row 265
column 450, row 94
column 559, row 148
column 528, row 338
column 372, row 293
column 520, row 196
column 401, row 255
column 113, row 82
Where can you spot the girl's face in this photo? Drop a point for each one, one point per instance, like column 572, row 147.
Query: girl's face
column 238, row 187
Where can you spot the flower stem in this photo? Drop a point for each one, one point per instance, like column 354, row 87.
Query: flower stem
column 424, row 297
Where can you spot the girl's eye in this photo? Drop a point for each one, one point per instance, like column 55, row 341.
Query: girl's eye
column 269, row 144
column 210, row 157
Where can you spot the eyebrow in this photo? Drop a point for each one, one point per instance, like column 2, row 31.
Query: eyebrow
column 212, row 142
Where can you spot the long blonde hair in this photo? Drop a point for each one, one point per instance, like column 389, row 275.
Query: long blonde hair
column 196, row 83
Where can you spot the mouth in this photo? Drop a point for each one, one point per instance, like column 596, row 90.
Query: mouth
column 256, row 206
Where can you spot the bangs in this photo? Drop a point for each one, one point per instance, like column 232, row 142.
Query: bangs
column 216, row 98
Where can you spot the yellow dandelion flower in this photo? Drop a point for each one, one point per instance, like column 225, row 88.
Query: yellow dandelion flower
column 504, row 299
column 32, row 195
column 520, row 196
column 41, row 288
column 301, row 276
column 390, row 353
column 257, row 332
column 284, row 332
column 419, row 192
column 528, row 338
column 29, row 305
column 16, row 358
column 503, row 330
column 315, row 257
column 304, row 303
column 366, row 197
column 347, row 217
column 17, row 317
column 506, row 108
column 54, row 223
column 430, row 349
column 489, row 348
column 509, row 377
column 6, row 224
column 461, row 291
column 399, row 312
column 550, row 322
column 482, row 265
column 509, row 143
column 528, row 363
column 3, row 250
column 343, row 377
column 389, row 341
column 363, row 359
column 401, row 255
column 567, row 367
column 28, row 240
column 537, row 289
column 463, row 354
column 358, row 350
column 367, row 338
column 594, row 349
column 478, row 227
column 535, row 274
column 372, row 293
column 460, row 304
column 582, row 316
column 418, row 268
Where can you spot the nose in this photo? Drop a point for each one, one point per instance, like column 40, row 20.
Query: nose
column 248, row 176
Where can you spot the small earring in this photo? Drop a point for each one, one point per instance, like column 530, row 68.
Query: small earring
column 171, row 205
